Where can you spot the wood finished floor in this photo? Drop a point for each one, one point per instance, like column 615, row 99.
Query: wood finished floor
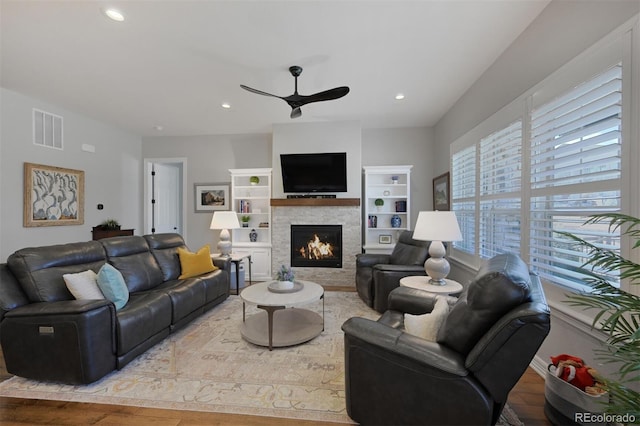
column 526, row 399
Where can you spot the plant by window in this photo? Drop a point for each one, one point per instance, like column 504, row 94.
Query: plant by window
column 618, row 312
column 285, row 273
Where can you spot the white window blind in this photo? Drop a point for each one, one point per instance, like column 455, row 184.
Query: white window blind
column 463, row 193
column 500, row 188
column 575, row 172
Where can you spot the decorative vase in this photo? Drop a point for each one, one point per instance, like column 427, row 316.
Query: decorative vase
column 285, row 285
column 396, row 221
column 253, row 236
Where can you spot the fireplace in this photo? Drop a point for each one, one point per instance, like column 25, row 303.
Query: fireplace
column 318, row 246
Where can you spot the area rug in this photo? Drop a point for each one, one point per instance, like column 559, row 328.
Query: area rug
column 209, row 367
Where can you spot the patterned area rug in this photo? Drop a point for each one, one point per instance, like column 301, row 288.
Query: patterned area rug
column 209, row 367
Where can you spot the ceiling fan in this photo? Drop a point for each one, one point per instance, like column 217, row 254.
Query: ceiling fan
column 295, row 101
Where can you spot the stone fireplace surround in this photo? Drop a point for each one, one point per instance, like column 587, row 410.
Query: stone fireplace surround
column 338, row 211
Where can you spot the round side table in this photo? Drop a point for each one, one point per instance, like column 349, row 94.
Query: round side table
column 421, row 282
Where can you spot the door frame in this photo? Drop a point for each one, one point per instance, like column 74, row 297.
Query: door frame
column 148, row 162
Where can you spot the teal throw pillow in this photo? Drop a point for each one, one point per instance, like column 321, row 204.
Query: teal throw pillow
column 112, row 285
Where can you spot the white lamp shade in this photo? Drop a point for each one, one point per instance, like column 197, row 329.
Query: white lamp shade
column 437, row 226
column 224, row 220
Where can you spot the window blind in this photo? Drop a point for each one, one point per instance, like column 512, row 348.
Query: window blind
column 500, row 188
column 575, row 172
column 463, row 192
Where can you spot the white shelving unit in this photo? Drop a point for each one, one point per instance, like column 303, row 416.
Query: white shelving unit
column 253, row 200
column 379, row 234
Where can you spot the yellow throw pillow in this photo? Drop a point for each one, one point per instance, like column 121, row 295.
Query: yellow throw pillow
column 194, row 264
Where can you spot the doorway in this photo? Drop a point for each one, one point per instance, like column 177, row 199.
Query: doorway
column 165, row 195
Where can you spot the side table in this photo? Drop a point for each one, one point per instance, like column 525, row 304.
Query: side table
column 237, row 259
column 421, row 282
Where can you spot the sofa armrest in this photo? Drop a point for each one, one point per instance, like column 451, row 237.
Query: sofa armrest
column 370, row 259
column 411, row 301
column 223, row 263
column 68, row 341
column 406, row 269
column 384, row 339
column 66, row 307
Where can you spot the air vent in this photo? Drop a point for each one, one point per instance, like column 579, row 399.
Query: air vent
column 47, row 129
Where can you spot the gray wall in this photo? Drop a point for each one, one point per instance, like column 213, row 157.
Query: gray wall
column 112, row 173
column 209, row 159
column 562, row 31
column 411, row 146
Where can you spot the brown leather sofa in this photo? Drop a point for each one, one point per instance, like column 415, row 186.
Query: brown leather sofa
column 378, row 274
column 48, row 335
column 488, row 339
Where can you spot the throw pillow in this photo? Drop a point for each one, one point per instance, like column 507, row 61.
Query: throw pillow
column 194, row 264
column 83, row 285
column 427, row 325
column 112, row 284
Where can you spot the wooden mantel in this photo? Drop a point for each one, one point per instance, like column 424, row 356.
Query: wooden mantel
column 315, row 202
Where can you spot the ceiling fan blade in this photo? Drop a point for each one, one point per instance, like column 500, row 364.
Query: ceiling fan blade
column 297, row 100
column 296, row 112
column 328, row 95
column 259, row 92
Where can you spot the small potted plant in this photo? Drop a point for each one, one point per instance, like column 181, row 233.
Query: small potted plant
column 110, row 225
column 285, row 277
column 379, row 202
column 254, row 180
column 245, row 221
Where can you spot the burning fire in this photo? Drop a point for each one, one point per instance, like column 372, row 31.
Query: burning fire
column 316, row 249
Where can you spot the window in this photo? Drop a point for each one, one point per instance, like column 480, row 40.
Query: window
column 576, row 171
column 463, row 193
column 47, row 129
column 516, row 187
column 500, row 188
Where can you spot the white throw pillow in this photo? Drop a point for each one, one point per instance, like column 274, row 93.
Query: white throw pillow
column 426, row 326
column 83, row 285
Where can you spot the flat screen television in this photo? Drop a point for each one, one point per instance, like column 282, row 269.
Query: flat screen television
column 320, row 172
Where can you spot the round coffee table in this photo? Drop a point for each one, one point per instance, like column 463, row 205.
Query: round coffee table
column 278, row 326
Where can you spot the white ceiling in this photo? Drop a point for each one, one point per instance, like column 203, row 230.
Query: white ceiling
column 173, row 63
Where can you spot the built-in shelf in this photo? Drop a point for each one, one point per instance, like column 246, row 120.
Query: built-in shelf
column 314, row 202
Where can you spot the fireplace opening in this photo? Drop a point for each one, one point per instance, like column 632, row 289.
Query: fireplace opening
column 318, row 246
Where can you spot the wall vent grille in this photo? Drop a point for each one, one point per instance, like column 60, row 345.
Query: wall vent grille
column 47, row 129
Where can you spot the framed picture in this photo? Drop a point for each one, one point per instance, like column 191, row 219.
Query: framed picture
column 53, row 196
column 211, row 196
column 441, row 192
column 384, row 239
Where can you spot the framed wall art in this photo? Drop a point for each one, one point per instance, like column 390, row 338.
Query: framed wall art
column 441, row 192
column 53, row 196
column 211, row 197
column 384, row 239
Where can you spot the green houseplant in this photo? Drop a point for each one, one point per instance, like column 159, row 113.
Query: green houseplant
column 617, row 311
column 245, row 221
column 110, row 225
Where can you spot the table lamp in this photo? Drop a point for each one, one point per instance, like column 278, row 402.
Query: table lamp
column 224, row 220
column 437, row 226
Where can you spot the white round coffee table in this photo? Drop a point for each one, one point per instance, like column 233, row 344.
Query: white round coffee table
column 421, row 282
column 278, row 326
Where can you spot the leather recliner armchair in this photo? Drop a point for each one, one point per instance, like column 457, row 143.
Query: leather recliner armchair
column 488, row 339
column 378, row 274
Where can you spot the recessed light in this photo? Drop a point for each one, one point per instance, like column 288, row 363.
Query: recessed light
column 114, row 14
column 158, row 127
column 399, row 97
column 226, row 105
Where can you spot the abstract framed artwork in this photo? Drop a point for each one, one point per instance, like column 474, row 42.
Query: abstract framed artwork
column 53, row 196
column 441, row 193
column 211, row 197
